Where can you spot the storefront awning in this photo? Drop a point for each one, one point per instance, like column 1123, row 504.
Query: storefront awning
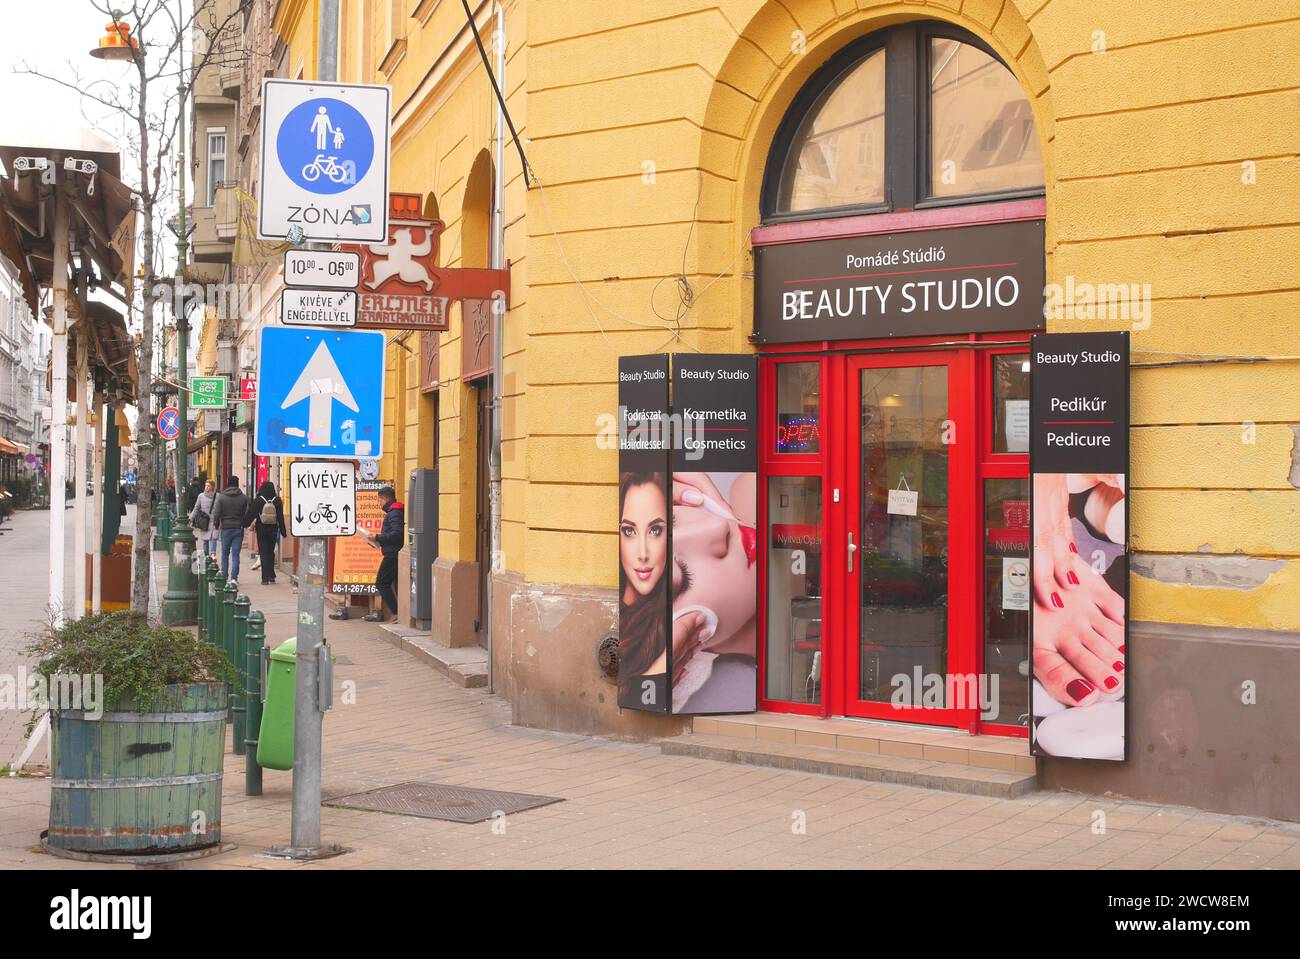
column 202, row 441
column 9, row 448
column 102, row 209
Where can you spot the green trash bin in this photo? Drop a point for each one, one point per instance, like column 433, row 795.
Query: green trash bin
column 275, row 739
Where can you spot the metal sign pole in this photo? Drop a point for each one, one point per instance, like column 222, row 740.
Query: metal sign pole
column 305, row 829
column 305, row 833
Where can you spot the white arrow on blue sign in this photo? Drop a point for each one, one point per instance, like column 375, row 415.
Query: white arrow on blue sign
column 320, row 394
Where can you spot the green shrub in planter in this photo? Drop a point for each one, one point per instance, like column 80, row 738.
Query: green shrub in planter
column 136, row 767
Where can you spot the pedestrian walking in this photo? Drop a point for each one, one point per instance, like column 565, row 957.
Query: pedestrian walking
column 230, row 517
column 192, row 492
column 268, row 526
column 390, row 539
column 205, row 531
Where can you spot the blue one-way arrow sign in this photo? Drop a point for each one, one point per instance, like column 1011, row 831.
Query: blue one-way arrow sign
column 320, row 393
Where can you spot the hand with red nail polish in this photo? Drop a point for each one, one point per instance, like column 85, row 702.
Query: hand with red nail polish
column 1054, row 551
column 1057, row 566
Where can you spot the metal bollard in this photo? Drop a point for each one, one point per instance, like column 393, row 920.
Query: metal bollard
column 238, row 642
column 254, row 644
column 216, row 590
column 202, row 593
column 229, row 594
column 205, row 598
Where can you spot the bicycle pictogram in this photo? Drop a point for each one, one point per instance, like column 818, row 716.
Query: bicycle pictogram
column 327, row 165
column 324, row 512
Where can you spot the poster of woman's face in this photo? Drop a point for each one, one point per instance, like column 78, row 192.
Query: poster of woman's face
column 1079, row 609
column 714, row 594
column 643, row 536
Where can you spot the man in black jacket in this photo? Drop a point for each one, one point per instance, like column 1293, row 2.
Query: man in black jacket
column 229, row 517
column 390, row 539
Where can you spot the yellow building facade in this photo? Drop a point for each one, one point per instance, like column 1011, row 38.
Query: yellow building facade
column 1168, row 135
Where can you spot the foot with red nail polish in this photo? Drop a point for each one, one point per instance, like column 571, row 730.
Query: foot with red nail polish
column 1077, row 655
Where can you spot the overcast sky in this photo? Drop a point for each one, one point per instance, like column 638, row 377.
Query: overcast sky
column 49, row 34
column 56, row 36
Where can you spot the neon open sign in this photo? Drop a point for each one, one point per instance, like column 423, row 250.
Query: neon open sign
column 797, row 434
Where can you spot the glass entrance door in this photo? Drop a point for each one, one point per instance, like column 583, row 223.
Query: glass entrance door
column 899, row 581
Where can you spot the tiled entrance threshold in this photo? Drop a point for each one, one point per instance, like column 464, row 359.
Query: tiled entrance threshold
column 882, row 752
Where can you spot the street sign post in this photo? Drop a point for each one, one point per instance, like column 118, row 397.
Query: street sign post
column 322, row 499
column 320, row 394
column 324, row 161
column 210, row 392
column 169, row 423
column 327, row 308
column 322, row 269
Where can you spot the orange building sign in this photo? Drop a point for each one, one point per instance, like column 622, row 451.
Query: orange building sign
column 356, row 562
column 402, row 286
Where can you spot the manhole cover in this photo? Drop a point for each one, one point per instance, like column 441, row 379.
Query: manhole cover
column 436, row 801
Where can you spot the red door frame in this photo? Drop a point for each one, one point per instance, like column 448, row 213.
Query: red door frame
column 992, row 466
column 970, row 404
column 959, row 413
column 837, row 463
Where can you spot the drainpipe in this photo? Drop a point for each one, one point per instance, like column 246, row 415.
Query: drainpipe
column 498, row 261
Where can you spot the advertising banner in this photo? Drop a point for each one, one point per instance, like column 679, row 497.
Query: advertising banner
column 644, row 531
column 713, row 655
column 356, row 562
column 919, row 283
column 1079, row 463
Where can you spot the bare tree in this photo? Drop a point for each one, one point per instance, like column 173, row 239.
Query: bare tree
column 149, row 109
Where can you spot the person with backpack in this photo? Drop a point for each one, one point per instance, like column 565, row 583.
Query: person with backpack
column 205, row 531
column 268, row 525
column 229, row 518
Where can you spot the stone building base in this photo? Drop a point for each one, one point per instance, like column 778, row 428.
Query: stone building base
column 1195, row 737
column 1214, row 713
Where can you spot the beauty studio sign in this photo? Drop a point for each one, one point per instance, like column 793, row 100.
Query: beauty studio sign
column 969, row 279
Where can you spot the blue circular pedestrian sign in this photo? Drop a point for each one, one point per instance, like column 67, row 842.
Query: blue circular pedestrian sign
column 130, row 476
column 325, row 146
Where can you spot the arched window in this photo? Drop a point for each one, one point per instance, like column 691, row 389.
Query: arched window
column 922, row 114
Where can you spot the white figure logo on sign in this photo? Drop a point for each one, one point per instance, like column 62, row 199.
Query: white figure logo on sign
column 398, row 259
column 320, row 125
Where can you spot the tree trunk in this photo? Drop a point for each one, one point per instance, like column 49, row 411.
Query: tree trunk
column 144, row 425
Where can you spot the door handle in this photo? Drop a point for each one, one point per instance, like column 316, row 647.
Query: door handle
column 852, row 549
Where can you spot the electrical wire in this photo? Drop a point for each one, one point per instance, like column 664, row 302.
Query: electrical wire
column 688, row 297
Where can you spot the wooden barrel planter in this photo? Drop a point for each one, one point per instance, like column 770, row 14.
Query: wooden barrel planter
column 138, row 782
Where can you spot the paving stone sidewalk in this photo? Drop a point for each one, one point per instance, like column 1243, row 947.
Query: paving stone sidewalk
column 627, row 805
